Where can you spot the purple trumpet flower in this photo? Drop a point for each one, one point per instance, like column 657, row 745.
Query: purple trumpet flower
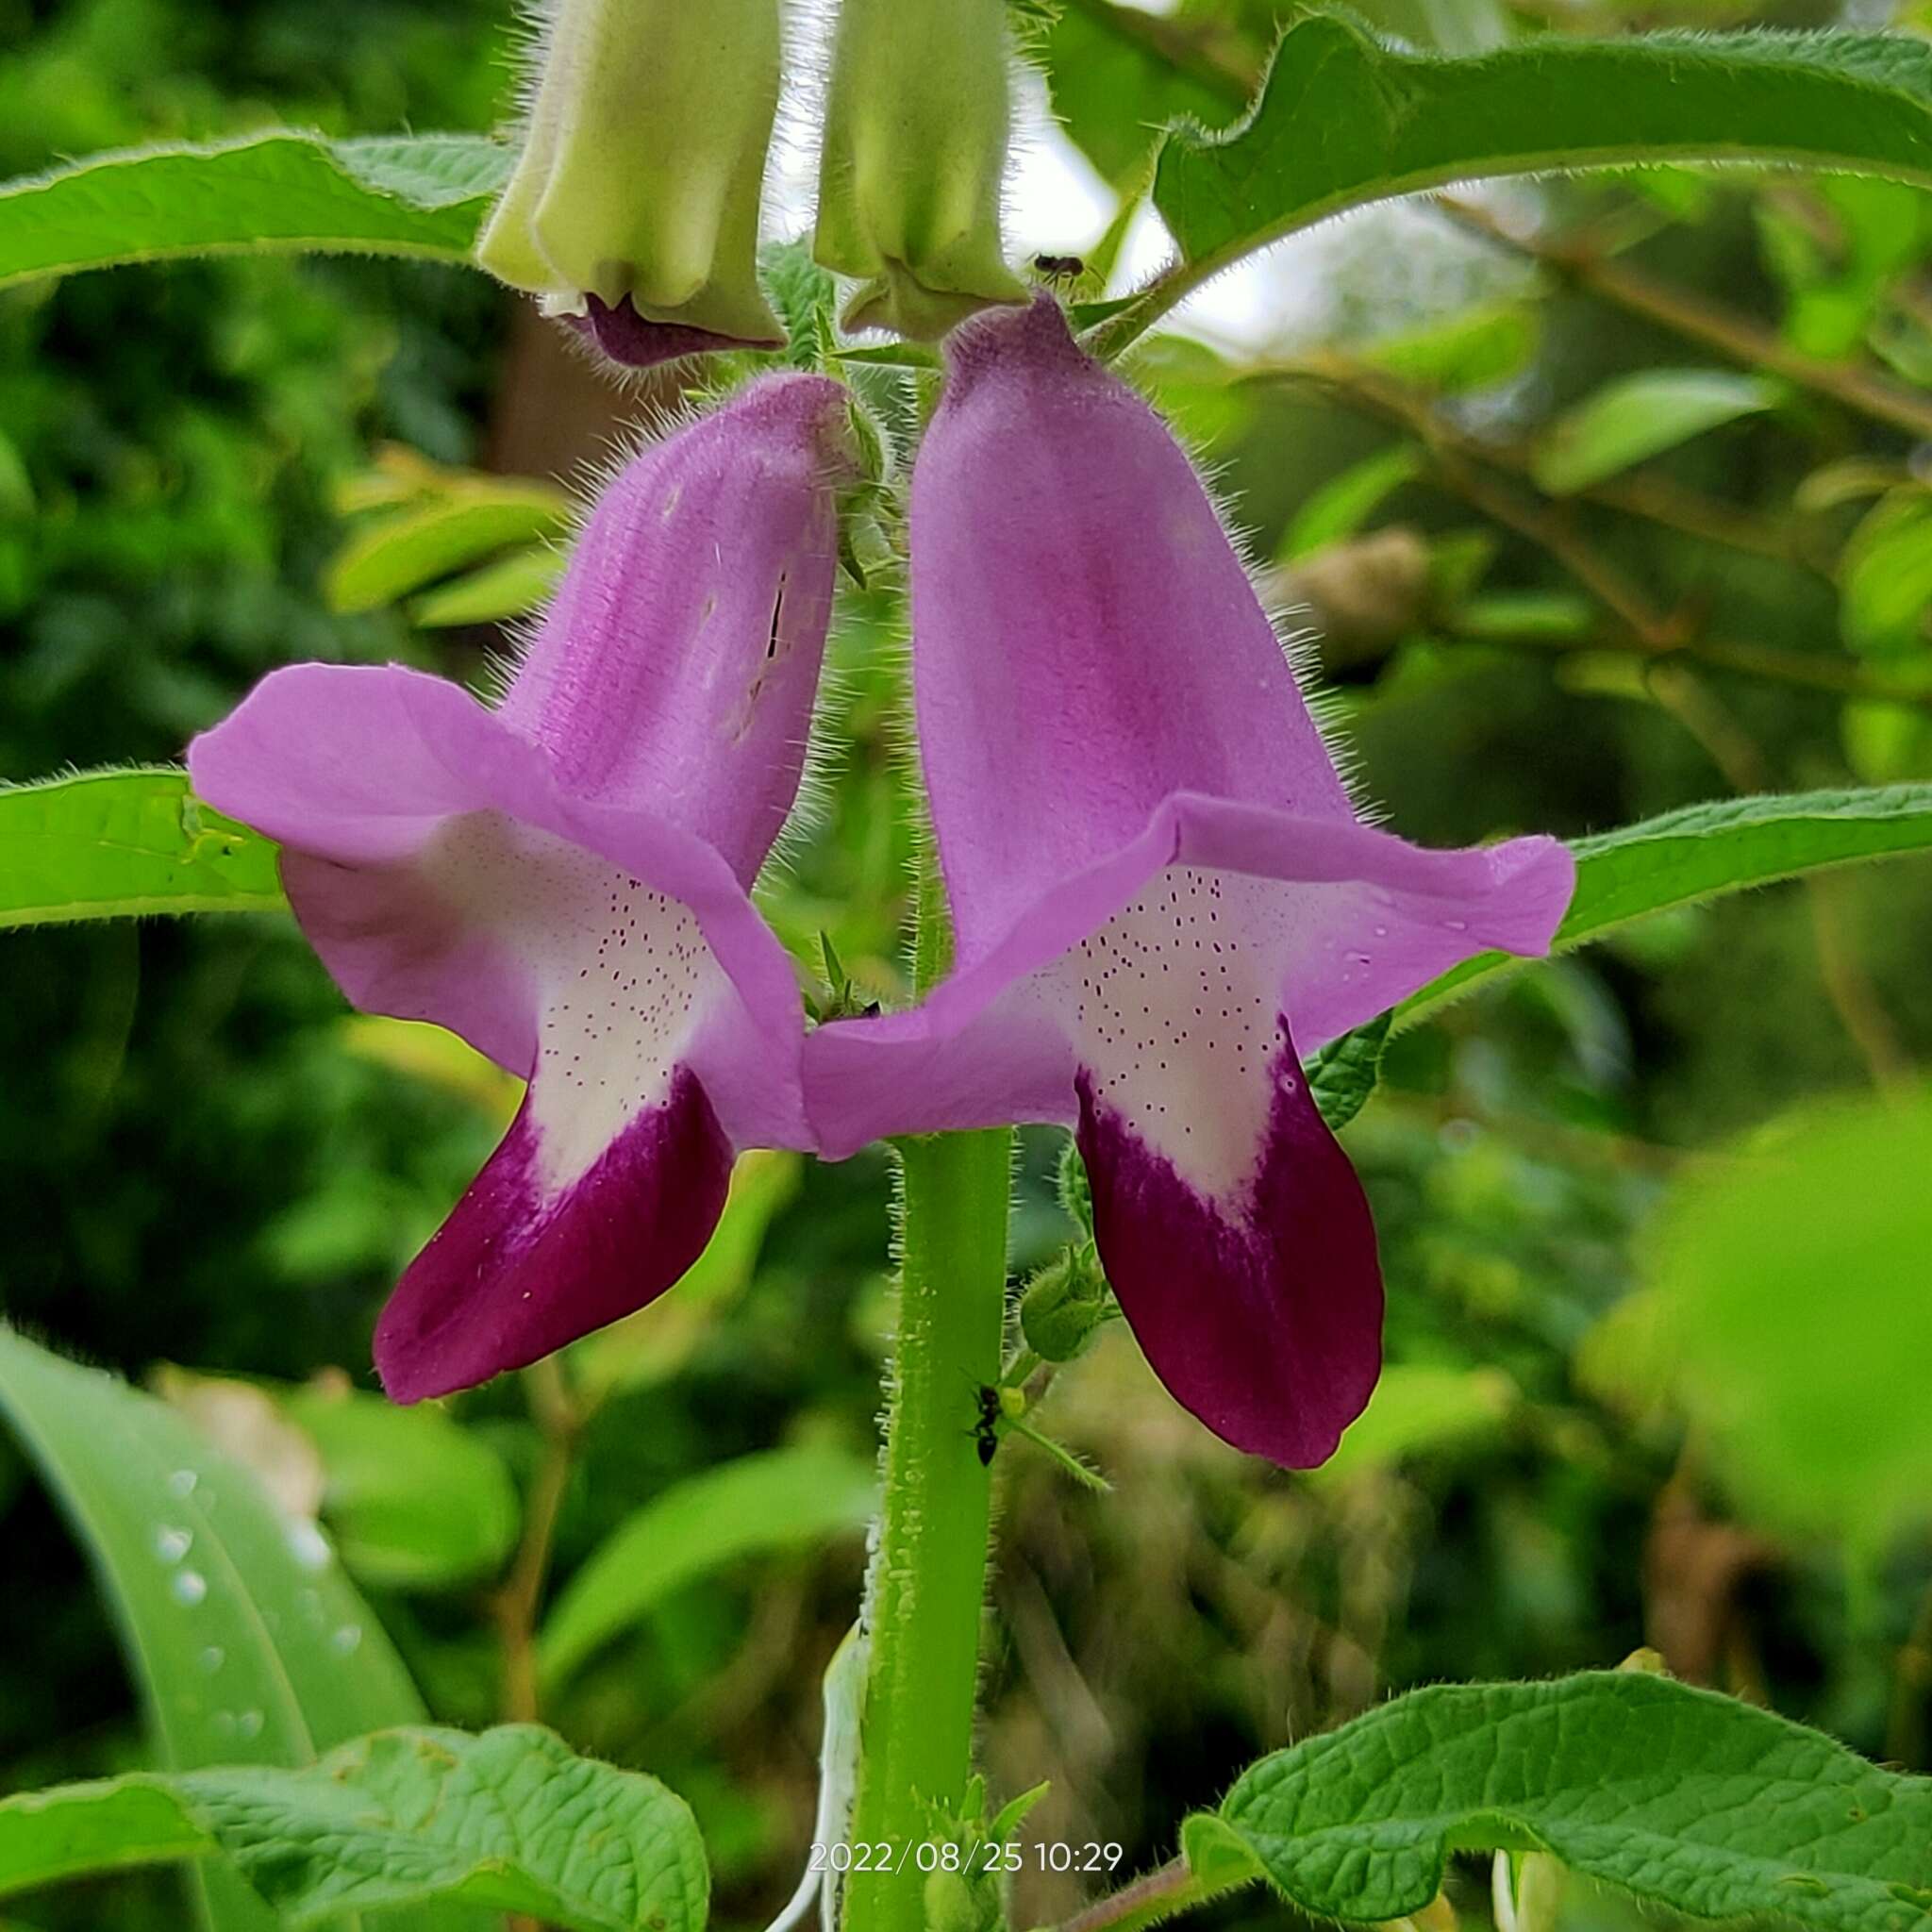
column 564, row 880
column 1159, row 886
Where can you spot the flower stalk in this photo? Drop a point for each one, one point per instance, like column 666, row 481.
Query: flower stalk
column 929, row 1577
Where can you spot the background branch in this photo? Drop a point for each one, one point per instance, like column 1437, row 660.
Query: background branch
column 1698, row 319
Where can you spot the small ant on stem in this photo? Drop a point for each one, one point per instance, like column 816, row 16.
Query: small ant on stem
column 1003, row 1407
column 986, row 1430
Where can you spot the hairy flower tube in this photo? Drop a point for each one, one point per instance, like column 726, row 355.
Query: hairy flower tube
column 564, row 880
column 1162, row 890
column 633, row 209
column 915, row 147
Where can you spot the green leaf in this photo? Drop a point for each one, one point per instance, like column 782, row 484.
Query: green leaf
column 1193, row 387
column 1887, row 577
column 805, row 298
column 119, row 844
column 1886, row 743
column 511, row 1821
column 1818, row 1420
column 414, row 1500
column 514, row 586
column 1683, row 1798
column 403, row 552
column 421, row 196
column 1468, row 351
column 1526, row 614
column 1113, row 82
column 1703, row 852
column 1393, row 122
column 76, row 1831
column 1343, row 1075
column 248, row 1643
column 775, row 1501
column 1420, row 1409
column 890, row 356
column 1343, row 503
column 1847, row 479
column 1217, row 1854
column 1837, row 281
column 1640, row 416
column 652, row 1344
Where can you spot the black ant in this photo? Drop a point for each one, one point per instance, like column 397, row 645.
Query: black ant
column 1056, row 268
column 1004, row 1407
column 986, row 1431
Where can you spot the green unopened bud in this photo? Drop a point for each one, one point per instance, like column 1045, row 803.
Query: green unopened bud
column 1064, row 1303
column 955, row 1904
column 915, row 145
column 636, row 193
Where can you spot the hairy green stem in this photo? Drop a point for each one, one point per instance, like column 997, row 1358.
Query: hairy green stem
column 929, row 1577
column 929, row 1570
column 1155, row 1896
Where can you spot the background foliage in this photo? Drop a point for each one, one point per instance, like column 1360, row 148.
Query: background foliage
column 1606, row 498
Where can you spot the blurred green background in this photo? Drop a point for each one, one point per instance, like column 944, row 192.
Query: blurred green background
column 1656, row 1219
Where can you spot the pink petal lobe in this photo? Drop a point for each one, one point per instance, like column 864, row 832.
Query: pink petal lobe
column 1335, row 923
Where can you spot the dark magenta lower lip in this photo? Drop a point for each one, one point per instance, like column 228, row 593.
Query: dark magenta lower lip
column 510, row 1277
column 626, row 337
column 1262, row 1315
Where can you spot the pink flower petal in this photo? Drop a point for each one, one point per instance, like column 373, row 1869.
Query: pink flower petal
column 565, row 880
column 1160, row 887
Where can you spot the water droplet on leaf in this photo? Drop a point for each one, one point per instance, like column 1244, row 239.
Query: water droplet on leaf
column 308, row 1546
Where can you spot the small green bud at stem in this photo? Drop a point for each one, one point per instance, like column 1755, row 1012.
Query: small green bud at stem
column 642, row 164
column 1064, row 1303
column 915, row 145
column 953, row 1904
